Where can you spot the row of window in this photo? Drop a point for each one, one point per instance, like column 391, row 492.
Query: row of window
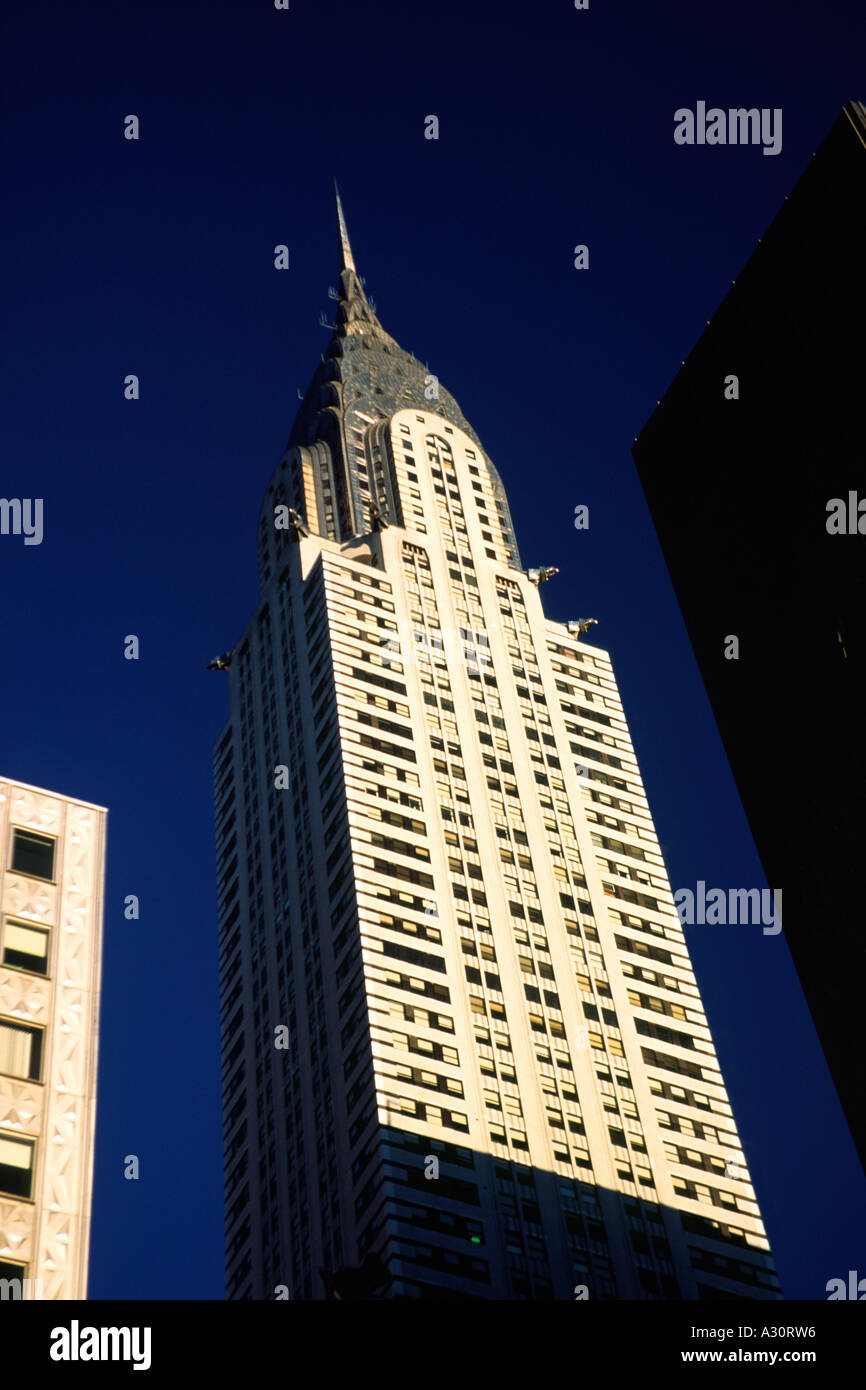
column 21, row 1051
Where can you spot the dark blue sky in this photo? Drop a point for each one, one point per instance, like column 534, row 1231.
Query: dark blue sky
column 155, row 257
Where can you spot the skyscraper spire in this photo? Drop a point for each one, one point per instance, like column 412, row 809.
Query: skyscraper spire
column 354, row 313
column 347, row 260
column 350, row 388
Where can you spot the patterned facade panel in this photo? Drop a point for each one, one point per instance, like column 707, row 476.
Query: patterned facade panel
column 27, row 897
column 36, row 810
column 20, row 1105
column 24, row 996
column 16, row 1230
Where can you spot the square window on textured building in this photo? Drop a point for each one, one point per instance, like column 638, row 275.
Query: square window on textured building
column 25, row 947
column 16, row 1164
column 33, row 854
column 14, row 1274
column 20, row 1050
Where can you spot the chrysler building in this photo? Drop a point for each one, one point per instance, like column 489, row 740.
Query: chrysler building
column 464, row 1052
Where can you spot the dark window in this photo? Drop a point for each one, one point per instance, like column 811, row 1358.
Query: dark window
column 11, row 1279
column 33, row 854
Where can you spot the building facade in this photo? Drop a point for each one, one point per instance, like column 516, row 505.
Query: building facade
column 51, row 905
column 754, row 469
column 460, row 1029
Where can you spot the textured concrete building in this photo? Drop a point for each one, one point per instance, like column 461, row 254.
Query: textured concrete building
column 463, row 1046
column 760, row 432
column 51, row 901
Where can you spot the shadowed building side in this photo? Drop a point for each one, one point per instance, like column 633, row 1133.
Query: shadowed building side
column 738, row 477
